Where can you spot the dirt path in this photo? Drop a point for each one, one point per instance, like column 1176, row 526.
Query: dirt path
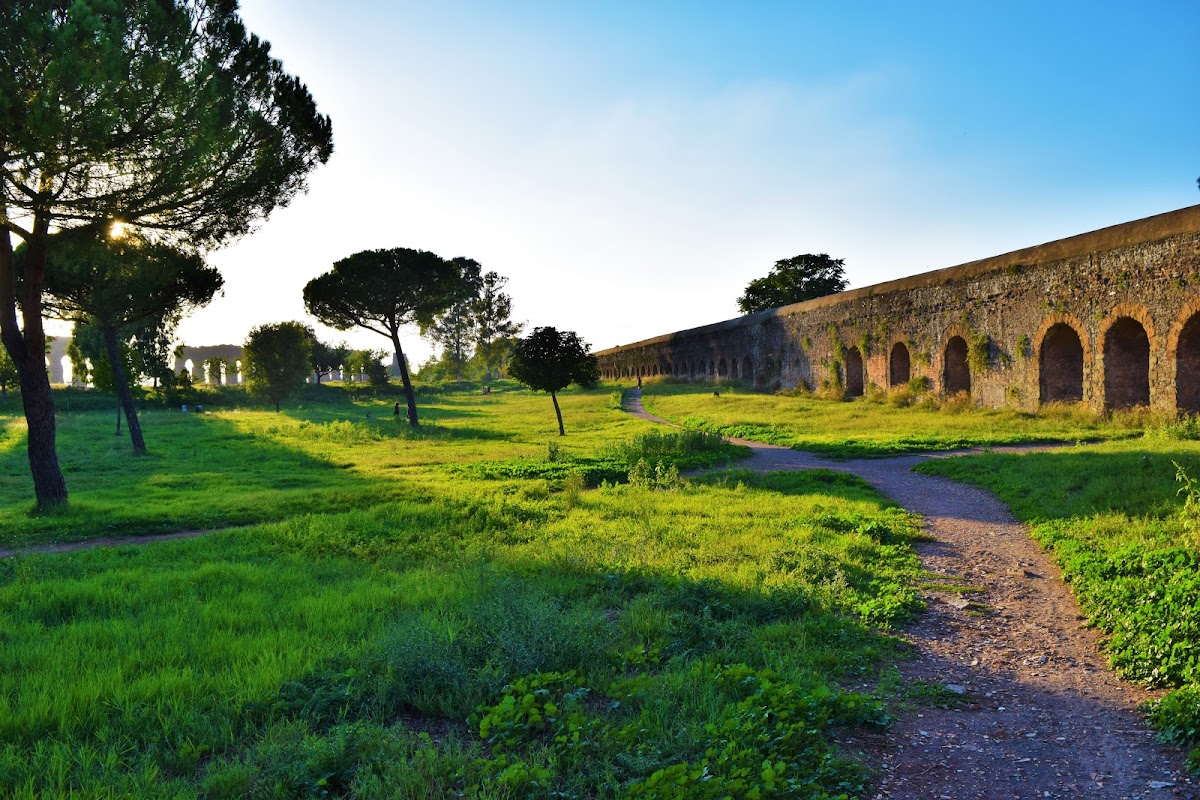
column 1041, row 714
column 106, row 541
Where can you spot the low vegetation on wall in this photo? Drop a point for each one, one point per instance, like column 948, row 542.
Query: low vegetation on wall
column 1110, row 318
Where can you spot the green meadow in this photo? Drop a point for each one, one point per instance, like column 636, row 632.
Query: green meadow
column 476, row 609
column 481, row 608
column 879, row 425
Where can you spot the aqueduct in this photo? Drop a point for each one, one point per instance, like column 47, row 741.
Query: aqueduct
column 1110, row 318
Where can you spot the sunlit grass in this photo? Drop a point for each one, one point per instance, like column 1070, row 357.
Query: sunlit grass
column 304, row 655
column 242, row 466
column 866, row 428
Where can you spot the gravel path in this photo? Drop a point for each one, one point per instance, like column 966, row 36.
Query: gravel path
column 1040, row 713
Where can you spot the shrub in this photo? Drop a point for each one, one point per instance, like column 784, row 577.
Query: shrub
column 957, row 403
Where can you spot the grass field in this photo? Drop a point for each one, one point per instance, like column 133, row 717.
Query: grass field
column 439, row 614
column 866, row 428
column 457, row 612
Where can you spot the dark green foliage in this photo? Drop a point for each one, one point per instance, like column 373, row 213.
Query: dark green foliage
column 276, row 360
column 793, row 280
column 369, row 364
column 169, row 114
column 326, row 358
column 384, row 290
column 1145, row 598
column 129, row 289
column 8, row 372
column 549, row 360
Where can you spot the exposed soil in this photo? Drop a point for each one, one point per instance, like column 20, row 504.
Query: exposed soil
column 106, row 541
column 1039, row 713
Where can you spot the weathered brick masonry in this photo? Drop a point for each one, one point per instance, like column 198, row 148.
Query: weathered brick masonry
column 1110, row 317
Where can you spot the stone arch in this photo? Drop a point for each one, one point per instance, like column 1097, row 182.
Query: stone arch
column 956, row 369
column 1183, row 353
column 712, row 368
column 722, row 368
column 733, row 367
column 1126, row 341
column 899, row 365
column 1062, row 354
column 855, row 373
column 747, row 369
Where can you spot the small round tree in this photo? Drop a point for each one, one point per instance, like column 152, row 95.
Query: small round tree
column 549, row 360
column 276, row 359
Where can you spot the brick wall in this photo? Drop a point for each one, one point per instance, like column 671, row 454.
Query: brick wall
column 1106, row 317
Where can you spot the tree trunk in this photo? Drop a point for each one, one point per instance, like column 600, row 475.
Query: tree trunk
column 121, row 384
column 27, row 347
column 558, row 413
column 409, row 396
column 118, row 430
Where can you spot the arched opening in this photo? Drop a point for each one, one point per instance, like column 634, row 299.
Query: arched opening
column 854, row 373
column 190, row 367
column 68, row 370
column 733, row 367
column 747, row 369
column 1187, row 366
column 956, row 373
column 722, row 368
column 899, row 365
column 1126, row 365
column 238, row 366
column 712, row 369
column 1060, row 366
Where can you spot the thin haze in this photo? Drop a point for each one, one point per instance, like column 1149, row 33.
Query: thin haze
column 630, row 166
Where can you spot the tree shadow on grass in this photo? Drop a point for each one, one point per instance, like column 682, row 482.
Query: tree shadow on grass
column 203, row 471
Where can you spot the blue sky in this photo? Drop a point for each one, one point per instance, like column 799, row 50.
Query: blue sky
column 630, row 166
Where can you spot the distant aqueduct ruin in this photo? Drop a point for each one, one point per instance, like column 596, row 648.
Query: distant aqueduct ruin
column 1110, row 318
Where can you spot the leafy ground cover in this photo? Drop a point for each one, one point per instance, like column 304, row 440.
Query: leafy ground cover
column 400, row 629
column 1123, row 521
column 872, row 426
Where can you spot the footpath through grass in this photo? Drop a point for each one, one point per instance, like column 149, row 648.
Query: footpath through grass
column 1123, row 521
column 407, row 626
column 872, row 427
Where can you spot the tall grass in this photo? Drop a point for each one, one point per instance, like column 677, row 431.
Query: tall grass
column 385, row 644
